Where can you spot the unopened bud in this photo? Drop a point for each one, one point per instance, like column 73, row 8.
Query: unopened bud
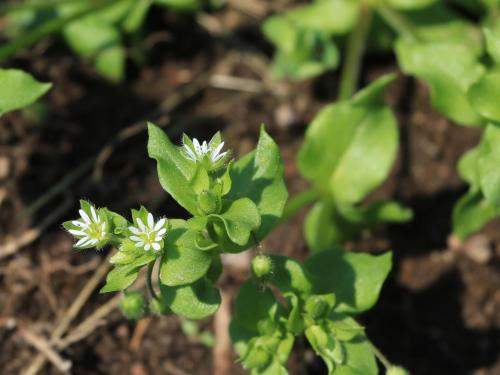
column 209, row 203
column 134, row 305
column 396, row 370
column 261, row 266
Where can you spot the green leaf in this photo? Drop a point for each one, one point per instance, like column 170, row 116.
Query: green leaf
column 484, row 95
column 350, row 146
column 289, row 275
column 410, row 4
column 329, row 224
column 467, row 166
column 196, row 301
column 471, row 213
column 183, row 263
column 253, row 305
column 259, row 177
column 239, row 220
column 488, row 164
column 19, row 89
column 360, row 359
column 355, row 279
column 449, row 70
column 176, row 172
column 122, row 276
column 492, row 36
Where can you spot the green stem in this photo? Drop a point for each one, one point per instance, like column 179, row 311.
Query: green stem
column 397, row 22
column 380, row 356
column 298, row 201
column 149, row 281
column 48, row 28
column 354, row 54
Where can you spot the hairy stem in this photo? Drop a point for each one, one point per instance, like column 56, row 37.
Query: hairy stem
column 149, row 281
column 397, row 22
column 380, row 356
column 49, row 27
column 300, row 200
column 354, row 54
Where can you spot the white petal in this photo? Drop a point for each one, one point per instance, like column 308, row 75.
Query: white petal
column 160, row 224
column 77, row 232
column 151, row 221
column 86, row 243
column 156, row 246
column 161, row 232
column 218, row 157
column 79, row 224
column 135, row 238
column 81, row 241
column 147, row 247
column 190, row 152
column 94, row 214
column 141, row 224
column 204, row 147
column 93, row 242
column 197, row 146
column 139, row 244
column 217, row 150
column 158, row 239
column 84, row 216
column 134, row 230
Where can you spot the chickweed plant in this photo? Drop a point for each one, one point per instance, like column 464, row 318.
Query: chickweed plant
column 233, row 205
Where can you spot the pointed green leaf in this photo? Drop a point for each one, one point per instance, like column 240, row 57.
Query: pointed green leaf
column 289, row 275
column 355, row 279
column 19, row 89
column 259, row 177
column 175, row 171
column 471, row 213
column 350, row 146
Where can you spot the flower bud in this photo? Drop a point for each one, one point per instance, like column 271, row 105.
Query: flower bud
column 256, row 357
column 159, row 307
column 396, row 370
column 209, row 203
column 134, row 305
column 261, row 266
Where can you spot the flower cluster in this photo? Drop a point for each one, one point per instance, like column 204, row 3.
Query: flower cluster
column 198, row 152
column 90, row 229
column 148, row 235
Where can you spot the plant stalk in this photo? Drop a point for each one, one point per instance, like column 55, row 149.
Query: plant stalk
column 355, row 47
column 48, row 28
column 397, row 22
column 380, row 356
column 149, row 281
column 300, row 200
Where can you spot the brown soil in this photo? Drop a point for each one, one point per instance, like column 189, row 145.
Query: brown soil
column 439, row 313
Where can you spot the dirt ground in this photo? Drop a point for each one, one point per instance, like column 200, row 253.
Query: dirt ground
column 439, row 312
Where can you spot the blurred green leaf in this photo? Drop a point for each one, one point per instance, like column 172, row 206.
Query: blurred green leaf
column 19, row 89
column 471, row 213
column 355, row 279
column 484, row 95
column 410, row 4
column 449, row 70
column 350, row 146
column 492, row 37
column 488, row 164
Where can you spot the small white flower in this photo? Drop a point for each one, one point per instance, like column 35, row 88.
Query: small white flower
column 148, row 235
column 200, row 151
column 91, row 228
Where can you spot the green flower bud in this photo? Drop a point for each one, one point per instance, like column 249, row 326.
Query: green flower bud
column 134, row 305
column 256, row 357
column 209, row 203
column 159, row 307
column 261, row 266
column 396, row 370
